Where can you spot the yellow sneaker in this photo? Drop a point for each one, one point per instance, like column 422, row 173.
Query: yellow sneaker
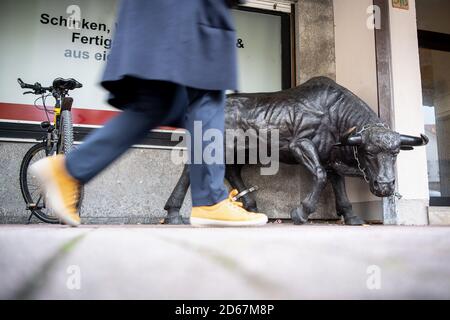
column 60, row 189
column 227, row 213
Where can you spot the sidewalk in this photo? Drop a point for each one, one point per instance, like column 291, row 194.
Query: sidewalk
column 273, row 262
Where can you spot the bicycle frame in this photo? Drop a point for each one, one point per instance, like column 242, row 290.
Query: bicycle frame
column 54, row 141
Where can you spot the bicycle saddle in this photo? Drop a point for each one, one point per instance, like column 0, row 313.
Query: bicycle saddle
column 66, row 84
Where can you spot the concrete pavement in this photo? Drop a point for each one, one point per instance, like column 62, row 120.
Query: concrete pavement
column 279, row 261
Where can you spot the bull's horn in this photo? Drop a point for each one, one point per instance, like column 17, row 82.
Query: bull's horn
column 349, row 138
column 354, row 140
column 411, row 141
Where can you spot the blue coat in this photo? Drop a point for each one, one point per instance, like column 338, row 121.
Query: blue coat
column 188, row 42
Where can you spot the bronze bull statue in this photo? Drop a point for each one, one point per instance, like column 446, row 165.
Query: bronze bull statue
column 322, row 126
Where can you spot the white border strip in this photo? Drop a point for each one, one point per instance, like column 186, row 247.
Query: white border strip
column 19, row 140
column 178, row 130
column 138, row 146
column 271, row 5
column 20, row 121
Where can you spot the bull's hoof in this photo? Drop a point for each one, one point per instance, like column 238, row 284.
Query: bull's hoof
column 299, row 216
column 174, row 220
column 353, row 221
column 174, row 217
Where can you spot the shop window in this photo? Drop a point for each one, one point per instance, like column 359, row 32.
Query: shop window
column 264, row 53
column 435, row 71
column 263, row 49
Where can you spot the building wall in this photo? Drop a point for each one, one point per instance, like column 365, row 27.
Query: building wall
column 132, row 190
column 356, row 70
column 135, row 188
column 407, row 96
column 315, row 52
column 355, row 49
column 277, row 195
column 343, row 49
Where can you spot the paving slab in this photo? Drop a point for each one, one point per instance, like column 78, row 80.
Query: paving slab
column 279, row 261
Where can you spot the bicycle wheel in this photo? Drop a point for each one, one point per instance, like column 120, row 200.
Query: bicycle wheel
column 30, row 187
column 66, row 139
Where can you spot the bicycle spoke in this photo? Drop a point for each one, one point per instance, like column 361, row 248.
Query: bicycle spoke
column 32, row 187
column 39, row 200
column 33, row 193
column 38, row 156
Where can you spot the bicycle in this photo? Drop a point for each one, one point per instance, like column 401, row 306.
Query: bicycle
column 57, row 140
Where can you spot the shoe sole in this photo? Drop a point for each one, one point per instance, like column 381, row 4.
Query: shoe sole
column 201, row 222
column 41, row 170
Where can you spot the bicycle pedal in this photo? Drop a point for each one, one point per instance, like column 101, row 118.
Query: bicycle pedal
column 33, row 206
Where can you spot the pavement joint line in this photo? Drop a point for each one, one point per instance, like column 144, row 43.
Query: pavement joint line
column 38, row 279
column 226, row 262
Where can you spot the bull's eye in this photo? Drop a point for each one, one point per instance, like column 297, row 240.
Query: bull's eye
column 372, row 151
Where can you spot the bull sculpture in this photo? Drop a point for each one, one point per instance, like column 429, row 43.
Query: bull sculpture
column 325, row 128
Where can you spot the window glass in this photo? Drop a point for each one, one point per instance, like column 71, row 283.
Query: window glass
column 259, row 51
column 435, row 72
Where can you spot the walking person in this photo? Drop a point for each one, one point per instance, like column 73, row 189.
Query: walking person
column 170, row 63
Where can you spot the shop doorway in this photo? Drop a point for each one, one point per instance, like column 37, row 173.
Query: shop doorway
column 434, row 51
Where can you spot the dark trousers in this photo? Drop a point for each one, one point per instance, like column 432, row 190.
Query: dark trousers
column 145, row 109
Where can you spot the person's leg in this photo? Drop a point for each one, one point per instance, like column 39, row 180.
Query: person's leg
column 108, row 143
column 207, row 180
column 151, row 106
column 211, row 204
column 60, row 177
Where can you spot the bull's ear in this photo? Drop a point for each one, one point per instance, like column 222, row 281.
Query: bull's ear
column 350, row 138
column 410, row 141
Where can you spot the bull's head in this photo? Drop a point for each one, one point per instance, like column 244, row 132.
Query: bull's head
column 377, row 148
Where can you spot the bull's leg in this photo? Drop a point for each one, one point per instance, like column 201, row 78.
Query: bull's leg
column 176, row 199
column 233, row 175
column 305, row 153
column 343, row 205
